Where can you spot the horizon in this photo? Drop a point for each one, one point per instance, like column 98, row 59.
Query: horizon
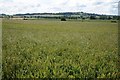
column 12, row 7
column 60, row 12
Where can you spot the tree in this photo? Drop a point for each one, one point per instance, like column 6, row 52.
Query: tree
column 92, row 17
column 82, row 18
column 103, row 17
column 109, row 18
column 24, row 18
column 115, row 18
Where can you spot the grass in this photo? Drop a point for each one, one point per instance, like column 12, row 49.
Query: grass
column 55, row 49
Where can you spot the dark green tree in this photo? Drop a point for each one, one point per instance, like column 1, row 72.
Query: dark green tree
column 92, row 17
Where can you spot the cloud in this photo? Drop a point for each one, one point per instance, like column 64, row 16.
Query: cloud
column 98, row 3
column 119, row 9
column 39, row 6
column 83, row 6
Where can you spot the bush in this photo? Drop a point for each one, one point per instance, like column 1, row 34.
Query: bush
column 63, row 19
column 113, row 21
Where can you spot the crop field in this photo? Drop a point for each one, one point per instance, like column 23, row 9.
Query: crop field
column 59, row 49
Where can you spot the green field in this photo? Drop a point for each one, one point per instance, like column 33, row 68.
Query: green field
column 56, row 49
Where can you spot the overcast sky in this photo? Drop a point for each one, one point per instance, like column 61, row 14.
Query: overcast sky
column 41, row 6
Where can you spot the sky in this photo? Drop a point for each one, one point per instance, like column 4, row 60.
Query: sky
column 109, row 7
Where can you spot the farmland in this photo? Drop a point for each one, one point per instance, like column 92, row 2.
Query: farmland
column 59, row 49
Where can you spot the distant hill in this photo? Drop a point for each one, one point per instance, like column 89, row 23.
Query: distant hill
column 69, row 15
